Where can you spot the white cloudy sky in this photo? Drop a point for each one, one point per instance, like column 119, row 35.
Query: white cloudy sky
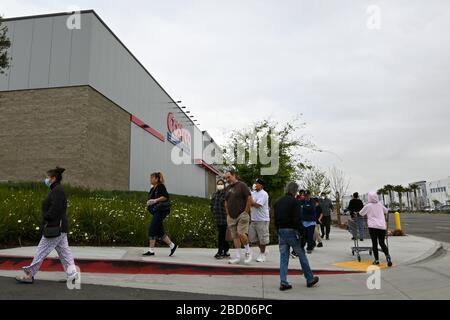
column 377, row 100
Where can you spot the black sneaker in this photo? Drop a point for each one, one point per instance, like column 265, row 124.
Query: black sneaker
column 219, row 256
column 361, row 239
column 309, row 251
column 328, row 238
column 320, row 245
column 376, row 263
column 313, row 283
column 284, row 287
column 148, row 253
column 389, row 261
column 353, row 238
column 294, row 254
column 226, row 255
column 172, row 251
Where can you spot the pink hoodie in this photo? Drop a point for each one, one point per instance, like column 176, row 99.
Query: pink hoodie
column 375, row 212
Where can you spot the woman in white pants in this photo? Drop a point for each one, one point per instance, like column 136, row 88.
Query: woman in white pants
column 54, row 228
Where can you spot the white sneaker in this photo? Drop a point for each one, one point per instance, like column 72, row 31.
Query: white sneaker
column 261, row 258
column 248, row 257
column 234, row 261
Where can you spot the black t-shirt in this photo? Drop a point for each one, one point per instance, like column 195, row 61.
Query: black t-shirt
column 158, row 191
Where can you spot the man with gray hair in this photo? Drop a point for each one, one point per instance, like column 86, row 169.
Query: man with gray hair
column 289, row 226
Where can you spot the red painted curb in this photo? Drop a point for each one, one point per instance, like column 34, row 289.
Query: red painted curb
column 150, row 267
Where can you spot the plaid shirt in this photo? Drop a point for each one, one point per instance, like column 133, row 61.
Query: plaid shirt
column 218, row 207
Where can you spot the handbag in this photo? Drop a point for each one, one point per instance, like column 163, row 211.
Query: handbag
column 52, row 232
column 161, row 207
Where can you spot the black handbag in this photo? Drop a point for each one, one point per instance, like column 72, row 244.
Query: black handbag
column 163, row 207
column 52, row 232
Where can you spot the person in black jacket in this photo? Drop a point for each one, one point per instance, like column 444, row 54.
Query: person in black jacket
column 319, row 215
column 220, row 217
column 289, row 226
column 355, row 206
column 158, row 205
column 54, row 216
column 309, row 218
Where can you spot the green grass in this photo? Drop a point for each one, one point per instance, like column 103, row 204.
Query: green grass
column 102, row 218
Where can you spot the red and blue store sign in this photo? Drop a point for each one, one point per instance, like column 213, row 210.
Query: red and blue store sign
column 177, row 134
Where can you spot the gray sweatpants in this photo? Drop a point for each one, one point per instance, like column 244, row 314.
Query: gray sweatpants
column 45, row 247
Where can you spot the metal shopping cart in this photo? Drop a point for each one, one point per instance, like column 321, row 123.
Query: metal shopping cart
column 355, row 231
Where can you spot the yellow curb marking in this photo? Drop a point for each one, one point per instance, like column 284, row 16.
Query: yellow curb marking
column 359, row 266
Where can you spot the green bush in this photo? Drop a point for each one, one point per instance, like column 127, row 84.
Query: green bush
column 102, row 218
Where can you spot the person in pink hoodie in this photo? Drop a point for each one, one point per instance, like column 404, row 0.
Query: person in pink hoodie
column 376, row 221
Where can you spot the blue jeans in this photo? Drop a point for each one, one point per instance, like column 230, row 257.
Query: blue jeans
column 291, row 238
column 361, row 224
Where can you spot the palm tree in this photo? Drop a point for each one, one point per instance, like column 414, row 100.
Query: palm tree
column 382, row 192
column 389, row 188
column 414, row 187
column 408, row 190
column 399, row 189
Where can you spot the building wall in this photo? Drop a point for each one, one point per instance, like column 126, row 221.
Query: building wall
column 69, row 127
column 439, row 190
column 46, row 54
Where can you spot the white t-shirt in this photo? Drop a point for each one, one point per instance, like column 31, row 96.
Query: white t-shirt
column 260, row 214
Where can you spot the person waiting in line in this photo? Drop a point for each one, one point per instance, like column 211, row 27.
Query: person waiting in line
column 300, row 197
column 220, row 217
column 237, row 205
column 158, row 205
column 309, row 218
column 260, row 219
column 327, row 207
column 354, row 207
column 319, row 215
column 376, row 220
column 289, row 228
column 54, row 227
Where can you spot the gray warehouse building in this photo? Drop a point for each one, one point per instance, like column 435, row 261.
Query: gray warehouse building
column 78, row 98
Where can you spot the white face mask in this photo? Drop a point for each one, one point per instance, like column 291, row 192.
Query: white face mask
column 220, row 187
column 254, row 187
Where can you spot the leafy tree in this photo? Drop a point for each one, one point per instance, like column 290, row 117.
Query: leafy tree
column 5, row 43
column 316, row 181
column 248, row 151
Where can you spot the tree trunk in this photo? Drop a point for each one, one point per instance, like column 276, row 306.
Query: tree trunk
column 415, row 200
column 407, row 199
column 338, row 208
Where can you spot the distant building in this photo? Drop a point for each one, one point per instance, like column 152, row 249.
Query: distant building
column 438, row 192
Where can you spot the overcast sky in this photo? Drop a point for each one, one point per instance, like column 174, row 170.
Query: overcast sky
column 378, row 101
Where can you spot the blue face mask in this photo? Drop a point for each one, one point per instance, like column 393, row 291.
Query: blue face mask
column 47, row 182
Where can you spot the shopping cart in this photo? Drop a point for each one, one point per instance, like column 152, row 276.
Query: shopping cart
column 355, row 232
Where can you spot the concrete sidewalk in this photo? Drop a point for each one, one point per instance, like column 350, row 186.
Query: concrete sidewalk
column 405, row 252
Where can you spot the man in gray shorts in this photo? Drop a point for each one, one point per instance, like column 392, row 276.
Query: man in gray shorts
column 260, row 219
column 237, row 205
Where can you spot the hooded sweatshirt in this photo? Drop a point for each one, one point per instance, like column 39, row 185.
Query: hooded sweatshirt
column 375, row 212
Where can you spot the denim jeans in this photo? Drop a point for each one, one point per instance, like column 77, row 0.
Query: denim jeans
column 291, row 238
column 361, row 224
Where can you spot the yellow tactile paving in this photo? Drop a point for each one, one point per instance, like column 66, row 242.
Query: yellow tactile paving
column 359, row 266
